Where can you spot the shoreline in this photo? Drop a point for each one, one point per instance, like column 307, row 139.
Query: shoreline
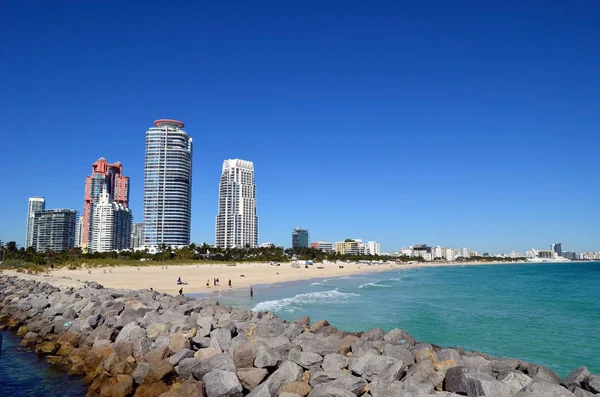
column 149, row 343
column 163, row 278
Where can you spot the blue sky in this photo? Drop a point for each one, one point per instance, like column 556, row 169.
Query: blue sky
column 463, row 123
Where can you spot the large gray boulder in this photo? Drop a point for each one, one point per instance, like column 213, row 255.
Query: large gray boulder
column 423, row 373
column 503, row 364
column 544, row 374
column 592, row 383
column 221, row 361
column 287, row 372
column 181, row 355
column 251, row 377
column 141, row 372
column 380, row 388
column 304, row 359
column 348, row 382
column 270, row 329
column 223, row 336
column 544, row 389
column 328, row 391
column 515, row 379
column 448, row 354
column 375, row 334
column 482, row 384
column 131, row 332
column 334, row 362
column 266, row 357
column 576, row 377
column 320, row 377
column 399, row 337
column 455, row 379
column 393, row 372
column 219, row 383
column 321, row 346
column 399, row 353
column 370, row 365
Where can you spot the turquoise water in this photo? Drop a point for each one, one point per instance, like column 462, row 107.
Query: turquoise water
column 543, row 313
column 24, row 374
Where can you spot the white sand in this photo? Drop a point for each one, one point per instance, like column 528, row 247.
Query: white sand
column 164, row 278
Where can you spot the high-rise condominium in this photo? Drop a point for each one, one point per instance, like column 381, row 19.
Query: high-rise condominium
column 237, row 223
column 54, row 230
column 111, row 225
column 137, row 235
column 35, row 204
column 167, row 184
column 105, row 177
column 300, row 238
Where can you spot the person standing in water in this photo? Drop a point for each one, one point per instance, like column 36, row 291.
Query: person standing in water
column 181, row 291
column 251, row 292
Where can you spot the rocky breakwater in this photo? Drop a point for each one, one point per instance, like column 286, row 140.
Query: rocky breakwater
column 144, row 343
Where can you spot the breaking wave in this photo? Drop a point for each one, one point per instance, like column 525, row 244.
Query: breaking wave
column 295, row 303
column 373, row 284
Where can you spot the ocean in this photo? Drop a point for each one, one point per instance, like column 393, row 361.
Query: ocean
column 24, row 374
column 543, row 313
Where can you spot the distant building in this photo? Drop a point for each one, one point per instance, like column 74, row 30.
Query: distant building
column 105, row 177
column 324, row 246
column 167, row 185
column 557, row 247
column 449, row 254
column 339, row 247
column 111, row 225
column 300, row 238
column 237, row 223
column 35, row 204
column 137, row 235
column 54, row 230
column 372, row 248
column 267, row 245
column 351, row 247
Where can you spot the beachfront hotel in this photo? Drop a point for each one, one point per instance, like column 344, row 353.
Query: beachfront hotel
column 107, row 178
column 35, row 204
column 237, row 223
column 167, row 185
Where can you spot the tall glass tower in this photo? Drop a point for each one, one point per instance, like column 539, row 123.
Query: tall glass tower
column 167, row 184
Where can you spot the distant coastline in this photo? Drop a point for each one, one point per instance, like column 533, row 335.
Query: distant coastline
column 163, row 278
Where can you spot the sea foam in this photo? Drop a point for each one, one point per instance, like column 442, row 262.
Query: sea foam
column 373, row 284
column 295, row 303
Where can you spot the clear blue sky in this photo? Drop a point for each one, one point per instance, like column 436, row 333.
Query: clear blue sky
column 458, row 123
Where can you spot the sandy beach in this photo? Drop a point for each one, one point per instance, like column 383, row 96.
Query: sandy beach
column 164, row 278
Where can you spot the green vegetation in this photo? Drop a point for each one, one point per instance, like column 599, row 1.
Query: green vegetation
column 15, row 257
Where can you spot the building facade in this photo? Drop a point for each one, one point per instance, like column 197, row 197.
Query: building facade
column 237, row 223
column 137, row 235
column 372, row 248
column 300, row 238
column 557, row 247
column 167, row 185
column 36, row 204
column 324, row 246
column 105, row 177
column 54, row 230
column 111, row 225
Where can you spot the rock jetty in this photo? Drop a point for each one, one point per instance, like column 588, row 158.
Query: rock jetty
column 148, row 344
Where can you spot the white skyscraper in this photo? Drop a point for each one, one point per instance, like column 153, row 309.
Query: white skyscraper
column 167, row 185
column 372, row 248
column 237, row 223
column 111, row 225
column 35, row 204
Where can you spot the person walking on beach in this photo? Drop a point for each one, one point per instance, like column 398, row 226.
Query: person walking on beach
column 229, row 283
column 251, row 292
column 207, row 283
